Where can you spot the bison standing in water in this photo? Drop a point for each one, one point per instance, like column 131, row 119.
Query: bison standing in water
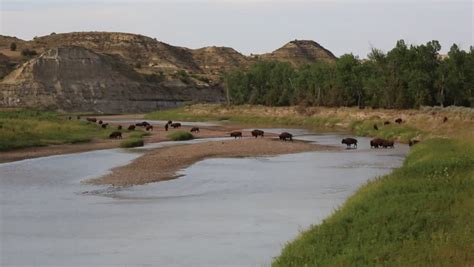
column 349, row 142
column 387, row 143
column 195, row 130
column 257, row 133
column 283, row 136
column 376, row 143
column 236, row 134
column 115, row 135
column 175, row 125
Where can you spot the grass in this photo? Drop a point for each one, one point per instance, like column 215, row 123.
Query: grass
column 28, row 128
column 135, row 139
column 180, row 136
column 421, row 214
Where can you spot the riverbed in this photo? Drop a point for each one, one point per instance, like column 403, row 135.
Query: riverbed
column 221, row 212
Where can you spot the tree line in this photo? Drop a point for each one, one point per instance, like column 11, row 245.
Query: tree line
column 404, row 77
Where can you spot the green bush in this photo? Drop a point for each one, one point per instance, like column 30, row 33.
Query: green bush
column 180, row 136
column 132, row 142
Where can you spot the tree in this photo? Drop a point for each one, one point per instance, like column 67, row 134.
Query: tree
column 13, row 46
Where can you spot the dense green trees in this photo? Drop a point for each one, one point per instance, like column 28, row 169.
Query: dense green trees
column 405, row 77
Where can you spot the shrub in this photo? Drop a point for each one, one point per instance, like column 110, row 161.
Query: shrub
column 28, row 53
column 180, row 136
column 132, row 142
column 13, row 46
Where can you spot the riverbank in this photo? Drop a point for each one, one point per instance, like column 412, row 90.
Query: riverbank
column 164, row 163
column 420, row 214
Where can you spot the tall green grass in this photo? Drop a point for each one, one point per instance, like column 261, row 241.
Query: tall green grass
column 180, row 136
column 27, row 128
column 419, row 215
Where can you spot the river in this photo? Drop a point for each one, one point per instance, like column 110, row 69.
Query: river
column 222, row 212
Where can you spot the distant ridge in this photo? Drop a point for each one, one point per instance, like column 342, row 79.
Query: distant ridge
column 126, row 65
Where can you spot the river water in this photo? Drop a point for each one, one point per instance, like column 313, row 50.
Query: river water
column 222, row 212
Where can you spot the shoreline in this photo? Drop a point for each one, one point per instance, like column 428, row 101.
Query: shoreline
column 164, row 163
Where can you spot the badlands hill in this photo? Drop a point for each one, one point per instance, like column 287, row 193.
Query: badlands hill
column 122, row 72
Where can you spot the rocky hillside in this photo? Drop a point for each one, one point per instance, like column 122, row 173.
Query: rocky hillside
column 301, row 52
column 136, row 72
column 78, row 79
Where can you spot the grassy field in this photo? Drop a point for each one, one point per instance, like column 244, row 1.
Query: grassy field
column 419, row 124
column 420, row 214
column 134, row 140
column 26, row 128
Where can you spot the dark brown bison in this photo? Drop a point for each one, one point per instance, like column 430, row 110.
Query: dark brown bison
column 131, row 127
column 119, row 127
column 376, row 143
column 413, row 142
column 69, row 118
column 195, row 130
column 283, row 136
column 445, row 119
column 386, row 123
column 349, row 142
column 399, row 120
column 142, row 124
column 100, row 122
column 166, row 127
column 257, row 133
column 149, row 128
column 91, row 119
column 175, row 125
column 115, row 135
column 104, row 125
column 170, row 122
column 78, row 117
column 375, row 127
column 236, row 134
column 387, row 144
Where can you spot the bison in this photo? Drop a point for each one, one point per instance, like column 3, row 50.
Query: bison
column 283, row 136
column 149, row 128
column 375, row 127
column 445, row 119
column 387, row 143
column 399, row 120
column 115, row 135
column 100, row 122
column 104, row 125
column 413, row 142
column 78, row 117
column 194, row 130
column 236, row 134
column 376, row 143
column 131, row 127
column 91, row 120
column 257, row 133
column 386, row 123
column 175, row 125
column 142, row 124
column 166, row 127
column 170, row 122
column 349, row 142
column 119, row 127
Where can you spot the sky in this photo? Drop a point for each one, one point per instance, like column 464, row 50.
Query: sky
column 252, row 26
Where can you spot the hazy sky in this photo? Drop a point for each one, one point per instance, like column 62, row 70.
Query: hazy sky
column 251, row 26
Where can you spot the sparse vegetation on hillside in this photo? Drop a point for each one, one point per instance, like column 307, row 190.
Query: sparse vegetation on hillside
column 13, row 46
